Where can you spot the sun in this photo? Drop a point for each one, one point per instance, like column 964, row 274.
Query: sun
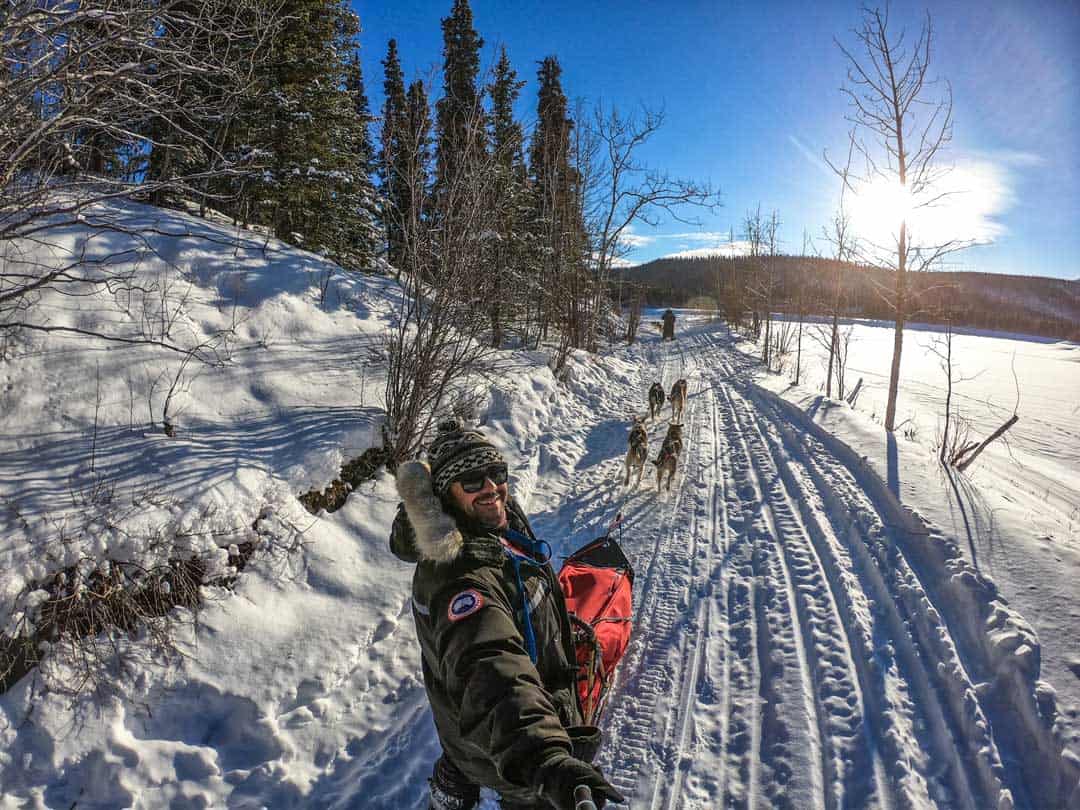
column 878, row 208
column 960, row 207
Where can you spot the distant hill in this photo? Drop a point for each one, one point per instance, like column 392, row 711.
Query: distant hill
column 1028, row 304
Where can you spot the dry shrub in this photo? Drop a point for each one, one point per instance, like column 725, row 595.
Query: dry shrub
column 83, row 625
column 353, row 473
column 84, row 610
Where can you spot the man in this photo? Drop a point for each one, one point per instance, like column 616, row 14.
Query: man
column 669, row 324
column 495, row 639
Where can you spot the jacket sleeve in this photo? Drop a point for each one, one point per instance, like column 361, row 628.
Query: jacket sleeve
column 505, row 710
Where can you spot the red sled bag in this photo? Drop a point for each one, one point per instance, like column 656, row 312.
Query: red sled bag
column 597, row 581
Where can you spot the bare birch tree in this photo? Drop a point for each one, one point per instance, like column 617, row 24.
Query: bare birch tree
column 800, row 307
column 761, row 239
column 839, row 234
column 899, row 132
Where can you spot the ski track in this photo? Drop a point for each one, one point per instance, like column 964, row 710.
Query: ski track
column 784, row 653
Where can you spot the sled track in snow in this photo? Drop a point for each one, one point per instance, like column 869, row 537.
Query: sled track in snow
column 896, row 679
column 909, row 667
column 785, row 653
column 646, row 723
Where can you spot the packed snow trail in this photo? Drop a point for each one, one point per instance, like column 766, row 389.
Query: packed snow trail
column 785, row 654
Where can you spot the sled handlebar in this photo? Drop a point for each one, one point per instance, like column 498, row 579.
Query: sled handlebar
column 583, row 798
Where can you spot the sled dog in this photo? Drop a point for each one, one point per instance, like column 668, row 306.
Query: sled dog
column 638, row 451
column 678, row 400
column 656, row 400
column 670, row 451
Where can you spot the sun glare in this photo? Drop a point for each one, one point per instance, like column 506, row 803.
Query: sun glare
column 879, row 208
column 961, row 207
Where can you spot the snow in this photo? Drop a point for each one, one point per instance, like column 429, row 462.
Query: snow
column 822, row 619
column 1016, row 512
column 1047, row 373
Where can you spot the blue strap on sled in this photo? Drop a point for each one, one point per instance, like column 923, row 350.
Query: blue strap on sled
column 532, row 552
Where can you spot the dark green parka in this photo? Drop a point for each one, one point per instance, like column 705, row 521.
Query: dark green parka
column 499, row 716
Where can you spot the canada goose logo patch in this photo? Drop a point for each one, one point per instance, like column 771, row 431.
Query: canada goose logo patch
column 464, row 604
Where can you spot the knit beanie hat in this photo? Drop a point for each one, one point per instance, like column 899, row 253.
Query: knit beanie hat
column 455, row 452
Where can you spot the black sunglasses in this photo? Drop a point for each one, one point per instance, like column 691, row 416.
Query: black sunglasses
column 474, row 480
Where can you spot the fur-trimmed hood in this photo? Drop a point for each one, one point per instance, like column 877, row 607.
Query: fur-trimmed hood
column 424, row 531
column 435, row 535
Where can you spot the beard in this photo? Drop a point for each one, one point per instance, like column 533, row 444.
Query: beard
column 482, row 518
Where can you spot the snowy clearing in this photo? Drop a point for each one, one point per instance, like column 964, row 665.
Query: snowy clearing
column 1045, row 440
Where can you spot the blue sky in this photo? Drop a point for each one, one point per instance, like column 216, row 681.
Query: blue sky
column 751, row 95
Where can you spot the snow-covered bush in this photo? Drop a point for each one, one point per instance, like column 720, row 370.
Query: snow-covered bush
column 122, row 570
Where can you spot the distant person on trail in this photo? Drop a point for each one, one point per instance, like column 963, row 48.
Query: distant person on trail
column 496, row 645
column 669, row 324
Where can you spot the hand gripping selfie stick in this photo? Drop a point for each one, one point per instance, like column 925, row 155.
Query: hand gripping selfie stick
column 583, row 798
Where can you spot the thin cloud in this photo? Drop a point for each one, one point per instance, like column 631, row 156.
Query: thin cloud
column 690, row 244
column 815, row 159
column 699, row 236
column 1011, row 157
column 635, row 240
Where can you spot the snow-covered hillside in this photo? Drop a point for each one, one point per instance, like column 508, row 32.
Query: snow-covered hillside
column 809, row 633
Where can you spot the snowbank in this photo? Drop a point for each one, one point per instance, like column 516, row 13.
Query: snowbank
column 1000, row 650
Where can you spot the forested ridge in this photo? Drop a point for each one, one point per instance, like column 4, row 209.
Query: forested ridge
column 1029, row 304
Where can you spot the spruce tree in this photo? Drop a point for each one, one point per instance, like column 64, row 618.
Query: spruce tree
column 459, row 136
column 508, row 208
column 507, row 139
column 305, row 125
column 392, row 167
column 549, row 152
column 354, row 85
column 416, row 164
column 224, row 129
column 359, row 230
column 177, row 151
column 90, row 33
column 553, row 204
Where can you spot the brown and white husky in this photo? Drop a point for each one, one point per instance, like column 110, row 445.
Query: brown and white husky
column 678, row 400
column 638, row 451
column 668, row 459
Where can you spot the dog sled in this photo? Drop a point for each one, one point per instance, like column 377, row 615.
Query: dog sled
column 597, row 581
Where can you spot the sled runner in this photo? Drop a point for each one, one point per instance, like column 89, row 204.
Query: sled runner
column 597, row 581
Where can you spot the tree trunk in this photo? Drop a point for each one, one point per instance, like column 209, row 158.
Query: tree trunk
column 798, row 353
column 948, row 393
column 898, row 334
column 894, row 374
column 496, row 327
column 832, row 355
column 768, row 337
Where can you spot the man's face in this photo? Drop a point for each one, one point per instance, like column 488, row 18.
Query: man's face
column 486, row 506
